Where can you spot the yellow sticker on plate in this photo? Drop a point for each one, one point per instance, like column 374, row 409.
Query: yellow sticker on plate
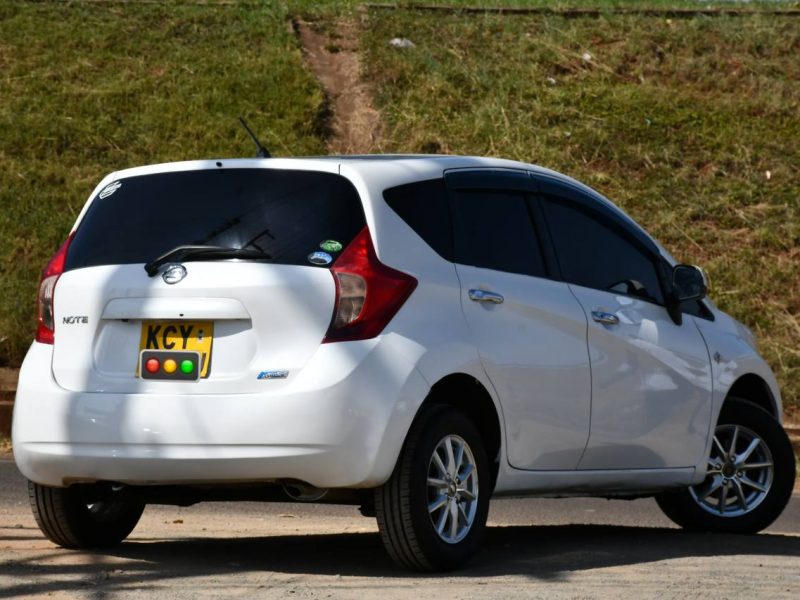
column 196, row 336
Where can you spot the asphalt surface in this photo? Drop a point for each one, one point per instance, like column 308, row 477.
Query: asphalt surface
column 570, row 548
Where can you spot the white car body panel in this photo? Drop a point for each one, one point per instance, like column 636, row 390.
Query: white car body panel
column 544, row 387
column 289, row 307
column 314, row 428
column 651, row 386
column 733, row 356
column 340, row 418
column 600, row 482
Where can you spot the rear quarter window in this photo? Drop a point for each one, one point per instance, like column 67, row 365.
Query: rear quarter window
column 424, row 206
column 286, row 214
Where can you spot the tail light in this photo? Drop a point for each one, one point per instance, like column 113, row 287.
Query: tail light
column 45, row 329
column 368, row 293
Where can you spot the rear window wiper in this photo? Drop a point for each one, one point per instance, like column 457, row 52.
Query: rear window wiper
column 181, row 253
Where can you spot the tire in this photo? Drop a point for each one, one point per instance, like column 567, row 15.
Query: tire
column 738, row 499
column 83, row 516
column 407, row 528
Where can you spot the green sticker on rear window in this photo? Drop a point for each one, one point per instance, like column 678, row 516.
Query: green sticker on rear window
column 330, row 246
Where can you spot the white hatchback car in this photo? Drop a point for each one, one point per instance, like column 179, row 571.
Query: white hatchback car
column 410, row 334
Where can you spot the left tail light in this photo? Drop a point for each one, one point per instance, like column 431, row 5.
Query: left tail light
column 368, row 293
column 46, row 325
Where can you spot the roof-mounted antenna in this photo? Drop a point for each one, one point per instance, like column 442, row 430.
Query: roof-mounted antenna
column 262, row 152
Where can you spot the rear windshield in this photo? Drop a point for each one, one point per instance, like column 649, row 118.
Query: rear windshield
column 286, row 214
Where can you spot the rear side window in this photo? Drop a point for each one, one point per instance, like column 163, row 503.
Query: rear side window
column 594, row 254
column 494, row 230
column 423, row 205
column 286, row 214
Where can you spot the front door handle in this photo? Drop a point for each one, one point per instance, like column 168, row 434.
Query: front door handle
column 602, row 316
column 484, row 296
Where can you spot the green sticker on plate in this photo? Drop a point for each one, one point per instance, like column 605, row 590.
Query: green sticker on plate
column 330, row 246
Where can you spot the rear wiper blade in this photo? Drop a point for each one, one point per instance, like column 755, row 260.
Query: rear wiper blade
column 188, row 252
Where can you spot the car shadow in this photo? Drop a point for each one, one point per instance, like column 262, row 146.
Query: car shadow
column 545, row 553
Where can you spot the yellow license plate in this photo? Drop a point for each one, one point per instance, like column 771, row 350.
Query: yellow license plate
column 180, row 335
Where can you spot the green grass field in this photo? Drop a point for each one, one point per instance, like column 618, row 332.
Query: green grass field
column 690, row 124
column 88, row 89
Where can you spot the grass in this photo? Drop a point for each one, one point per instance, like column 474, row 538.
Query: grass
column 691, row 125
column 88, row 89
column 679, row 121
column 337, row 6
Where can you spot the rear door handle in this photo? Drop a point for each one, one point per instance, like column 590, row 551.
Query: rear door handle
column 484, row 296
column 602, row 316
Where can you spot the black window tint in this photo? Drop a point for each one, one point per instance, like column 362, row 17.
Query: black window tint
column 423, row 205
column 284, row 213
column 493, row 230
column 595, row 255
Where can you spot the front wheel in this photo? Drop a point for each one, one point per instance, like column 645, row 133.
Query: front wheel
column 750, row 476
column 432, row 511
column 83, row 515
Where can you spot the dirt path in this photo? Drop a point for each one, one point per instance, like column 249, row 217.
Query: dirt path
column 285, row 551
column 8, row 386
column 355, row 124
column 568, row 548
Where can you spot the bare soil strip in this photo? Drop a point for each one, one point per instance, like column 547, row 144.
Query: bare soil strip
column 354, row 124
column 8, row 379
column 8, row 385
column 576, row 549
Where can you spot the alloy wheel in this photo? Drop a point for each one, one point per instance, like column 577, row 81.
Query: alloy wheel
column 452, row 489
column 740, row 473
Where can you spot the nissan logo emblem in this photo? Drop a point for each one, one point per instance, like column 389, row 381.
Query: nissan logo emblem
column 173, row 274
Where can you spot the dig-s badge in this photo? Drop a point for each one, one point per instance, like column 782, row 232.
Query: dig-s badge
column 273, row 375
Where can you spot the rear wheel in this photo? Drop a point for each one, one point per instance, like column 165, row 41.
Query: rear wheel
column 83, row 516
column 750, row 476
column 432, row 511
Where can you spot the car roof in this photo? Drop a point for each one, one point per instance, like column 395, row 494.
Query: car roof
column 394, row 168
column 415, row 165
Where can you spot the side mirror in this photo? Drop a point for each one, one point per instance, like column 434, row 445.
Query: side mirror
column 689, row 283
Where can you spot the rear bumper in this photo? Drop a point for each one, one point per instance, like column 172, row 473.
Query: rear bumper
column 339, row 423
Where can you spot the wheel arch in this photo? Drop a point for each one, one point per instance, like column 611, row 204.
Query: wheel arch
column 753, row 388
column 469, row 395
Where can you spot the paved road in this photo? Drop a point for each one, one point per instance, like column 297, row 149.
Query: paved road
column 573, row 548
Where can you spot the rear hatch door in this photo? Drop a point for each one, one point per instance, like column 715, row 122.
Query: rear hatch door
column 247, row 318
